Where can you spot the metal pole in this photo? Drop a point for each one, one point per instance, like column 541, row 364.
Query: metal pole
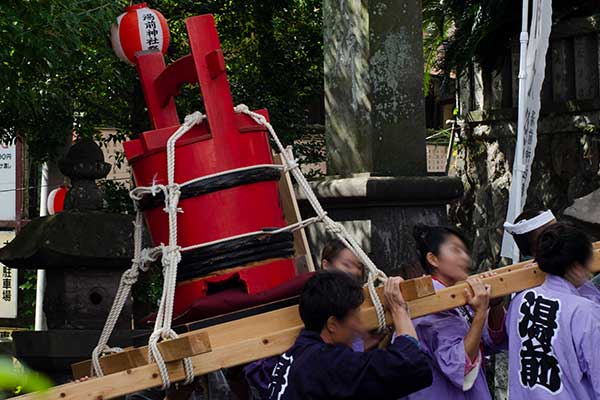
column 518, row 176
column 41, row 273
column 450, row 147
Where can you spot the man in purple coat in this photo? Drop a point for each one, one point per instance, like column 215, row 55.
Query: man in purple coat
column 322, row 365
column 553, row 329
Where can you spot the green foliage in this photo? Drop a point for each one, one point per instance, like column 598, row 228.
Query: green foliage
column 52, row 63
column 436, row 31
column 58, row 73
column 439, row 136
column 16, row 380
column 116, row 197
column 149, row 288
column 274, row 55
column 465, row 29
column 27, row 297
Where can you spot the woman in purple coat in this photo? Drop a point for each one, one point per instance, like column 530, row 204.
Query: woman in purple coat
column 457, row 340
column 553, row 328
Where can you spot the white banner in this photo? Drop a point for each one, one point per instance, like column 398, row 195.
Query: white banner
column 539, row 36
column 8, row 182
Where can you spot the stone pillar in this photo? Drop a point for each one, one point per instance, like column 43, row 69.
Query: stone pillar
column 374, row 96
column 375, row 130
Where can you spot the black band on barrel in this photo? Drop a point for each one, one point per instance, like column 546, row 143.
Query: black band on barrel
column 234, row 253
column 214, row 184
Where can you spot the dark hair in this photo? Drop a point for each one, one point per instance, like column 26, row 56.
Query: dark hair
column 328, row 294
column 332, row 249
column 560, row 246
column 524, row 241
column 429, row 240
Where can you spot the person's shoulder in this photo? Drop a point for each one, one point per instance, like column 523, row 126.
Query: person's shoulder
column 516, row 299
column 328, row 350
column 582, row 305
column 576, row 303
column 539, row 294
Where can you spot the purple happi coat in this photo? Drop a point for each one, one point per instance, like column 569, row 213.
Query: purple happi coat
column 442, row 336
column 554, row 342
column 258, row 374
column 314, row 370
column 590, row 292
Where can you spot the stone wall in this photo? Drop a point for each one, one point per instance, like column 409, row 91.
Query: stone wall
column 567, row 153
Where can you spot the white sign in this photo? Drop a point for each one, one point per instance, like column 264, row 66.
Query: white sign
column 8, row 182
column 539, row 37
column 8, row 283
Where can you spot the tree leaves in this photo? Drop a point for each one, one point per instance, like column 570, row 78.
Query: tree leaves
column 467, row 30
column 59, row 76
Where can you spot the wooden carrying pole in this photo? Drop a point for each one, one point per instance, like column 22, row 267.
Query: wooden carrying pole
column 184, row 346
column 248, row 339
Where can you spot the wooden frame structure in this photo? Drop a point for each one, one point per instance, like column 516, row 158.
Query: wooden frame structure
column 245, row 340
column 291, row 211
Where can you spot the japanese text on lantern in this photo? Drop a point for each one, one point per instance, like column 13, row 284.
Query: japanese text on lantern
column 151, row 29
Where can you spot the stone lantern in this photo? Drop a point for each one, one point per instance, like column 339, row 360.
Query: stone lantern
column 84, row 250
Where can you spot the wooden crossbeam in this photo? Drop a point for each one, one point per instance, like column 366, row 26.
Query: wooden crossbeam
column 136, row 357
column 245, row 340
column 171, row 350
column 596, row 258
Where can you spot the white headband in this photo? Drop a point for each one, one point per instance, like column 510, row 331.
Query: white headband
column 528, row 225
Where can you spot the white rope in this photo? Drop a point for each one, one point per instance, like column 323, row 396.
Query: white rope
column 155, row 188
column 232, row 171
column 171, row 255
column 289, row 228
column 373, row 273
column 128, row 279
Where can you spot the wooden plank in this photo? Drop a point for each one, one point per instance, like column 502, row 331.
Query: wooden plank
column 478, row 87
column 171, row 350
column 292, row 211
column 135, row 357
column 84, row 368
column 586, row 67
column 417, row 288
column 420, row 290
column 249, row 339
column 500, row 87
column 595, row 268
column 597, row 51
column 183, row 347
column 576, row 26
column 547, row 97
column 497, row 90
column 563, row 80
column 464, row 92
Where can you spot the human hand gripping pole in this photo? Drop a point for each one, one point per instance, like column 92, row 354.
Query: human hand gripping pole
column 398, row 307
column 479, row 301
